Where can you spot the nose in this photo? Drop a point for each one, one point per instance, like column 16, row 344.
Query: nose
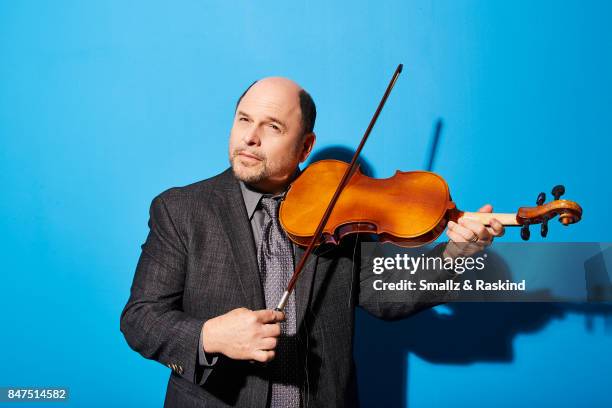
column 251, row 136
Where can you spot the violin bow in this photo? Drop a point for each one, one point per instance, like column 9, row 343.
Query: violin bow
column 345, row 179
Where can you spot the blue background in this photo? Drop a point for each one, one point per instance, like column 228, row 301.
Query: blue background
column 105, row 104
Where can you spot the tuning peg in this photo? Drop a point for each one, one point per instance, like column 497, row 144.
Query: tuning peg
column 544, row 228
column 558, row 191
column 541, row 198
column 525, row 232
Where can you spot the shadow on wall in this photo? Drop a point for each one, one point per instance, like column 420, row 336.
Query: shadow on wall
column 481, row 332
column 344, row 154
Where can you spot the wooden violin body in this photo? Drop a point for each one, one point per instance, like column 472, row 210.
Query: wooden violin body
column 409, row 209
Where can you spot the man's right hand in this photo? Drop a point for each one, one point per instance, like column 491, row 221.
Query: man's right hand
column 244, row 334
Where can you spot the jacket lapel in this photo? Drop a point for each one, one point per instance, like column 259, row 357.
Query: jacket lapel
column 303, row 286
column 238, row 227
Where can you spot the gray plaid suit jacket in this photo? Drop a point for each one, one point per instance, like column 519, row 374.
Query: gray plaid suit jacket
column 199, row 261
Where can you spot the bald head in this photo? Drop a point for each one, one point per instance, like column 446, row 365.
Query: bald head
column 277, row 84
column 288, row 91
column 271, row 134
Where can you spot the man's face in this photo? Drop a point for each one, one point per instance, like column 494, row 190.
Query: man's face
column 266, row 142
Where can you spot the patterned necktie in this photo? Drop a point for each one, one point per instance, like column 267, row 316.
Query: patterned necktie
column 275, row 258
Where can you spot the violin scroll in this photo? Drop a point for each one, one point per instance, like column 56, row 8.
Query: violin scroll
column 569, row 212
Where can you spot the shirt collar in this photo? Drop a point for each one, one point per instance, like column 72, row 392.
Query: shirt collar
column 252, row 197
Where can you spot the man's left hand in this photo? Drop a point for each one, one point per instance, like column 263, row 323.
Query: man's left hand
column 472, row 235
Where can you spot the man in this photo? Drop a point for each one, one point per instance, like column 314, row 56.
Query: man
column 216, row 261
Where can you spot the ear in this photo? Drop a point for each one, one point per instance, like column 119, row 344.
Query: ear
column 307, row 144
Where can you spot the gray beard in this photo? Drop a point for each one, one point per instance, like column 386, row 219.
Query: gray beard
column 251, row 179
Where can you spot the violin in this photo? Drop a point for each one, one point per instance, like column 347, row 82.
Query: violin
column 409, row 209
column 332, row 199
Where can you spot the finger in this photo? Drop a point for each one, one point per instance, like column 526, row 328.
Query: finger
column 271, row 330
column 263, row 356
column 459, row 246
column 475, row 227
column 466, row 233
column 453, row 236
column 496, row 228
column 459, row 233
column 269, row 316
column 268, row 343
column 487, row 208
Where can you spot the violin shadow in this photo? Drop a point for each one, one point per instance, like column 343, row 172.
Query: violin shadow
column 471, row 332
column 344, row 154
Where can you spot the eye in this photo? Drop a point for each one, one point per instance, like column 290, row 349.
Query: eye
column 243, row 119
column 275, row 127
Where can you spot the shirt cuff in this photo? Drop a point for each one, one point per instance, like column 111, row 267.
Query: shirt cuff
column 205, row 359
